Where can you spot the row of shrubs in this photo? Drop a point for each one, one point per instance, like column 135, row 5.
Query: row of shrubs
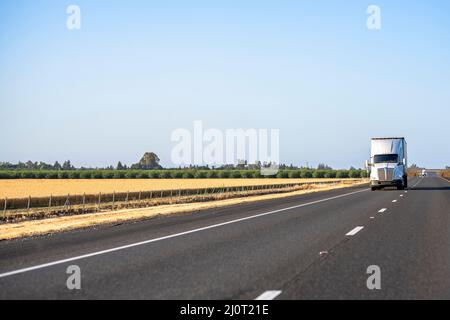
column 177, row 174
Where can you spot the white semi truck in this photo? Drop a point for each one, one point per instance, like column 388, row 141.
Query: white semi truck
column 388, row 163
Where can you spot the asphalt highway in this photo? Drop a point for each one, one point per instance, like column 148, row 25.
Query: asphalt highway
column 315, row 246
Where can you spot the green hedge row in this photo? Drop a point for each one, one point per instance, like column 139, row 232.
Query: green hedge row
column 177, row 174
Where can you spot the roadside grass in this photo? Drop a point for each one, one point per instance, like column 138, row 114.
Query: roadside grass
column 44, row 207
column 51, row 225
column 413, row 172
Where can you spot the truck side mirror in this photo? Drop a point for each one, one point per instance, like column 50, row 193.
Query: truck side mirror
column 368, row 164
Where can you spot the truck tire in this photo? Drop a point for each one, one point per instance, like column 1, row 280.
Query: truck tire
column 373, row 188
column 405, row 182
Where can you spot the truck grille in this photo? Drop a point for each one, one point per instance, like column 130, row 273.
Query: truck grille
column 386, row 174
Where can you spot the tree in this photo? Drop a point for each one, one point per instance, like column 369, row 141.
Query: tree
column 323, row 166
column 241, row 164
column 57, row 166
column 255, row 166
column 120, row 166
column 67, row 165
column 29, row 165
column 44, row 166
column 148, row 161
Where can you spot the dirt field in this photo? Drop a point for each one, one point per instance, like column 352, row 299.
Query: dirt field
column 23, row 188
column 10, row 231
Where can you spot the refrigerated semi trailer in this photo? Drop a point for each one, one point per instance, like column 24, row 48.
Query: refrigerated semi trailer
column 388, row 163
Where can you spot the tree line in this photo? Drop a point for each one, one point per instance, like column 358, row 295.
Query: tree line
column 149, row 161
column 149, row 167
column 177, row 174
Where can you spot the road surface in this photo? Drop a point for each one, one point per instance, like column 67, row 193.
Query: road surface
column 315, row 246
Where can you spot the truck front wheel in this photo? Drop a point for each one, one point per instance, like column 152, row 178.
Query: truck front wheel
column 401, row 184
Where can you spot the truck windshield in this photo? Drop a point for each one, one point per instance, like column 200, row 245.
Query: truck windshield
column 385, row 158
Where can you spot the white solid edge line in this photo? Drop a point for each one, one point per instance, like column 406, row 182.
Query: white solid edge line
column 444, row 179
column 269, row 295
column 97, row 253
column 382, row 210
column 355, row 231
column 420, row 180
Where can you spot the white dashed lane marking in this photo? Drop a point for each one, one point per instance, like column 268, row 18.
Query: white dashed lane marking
column 170, row 236
column 269, row 295
column 354, row 231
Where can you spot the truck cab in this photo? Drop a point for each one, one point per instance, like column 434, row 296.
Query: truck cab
column 388, row 163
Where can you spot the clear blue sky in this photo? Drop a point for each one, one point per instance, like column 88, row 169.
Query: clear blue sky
column 137, row 70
